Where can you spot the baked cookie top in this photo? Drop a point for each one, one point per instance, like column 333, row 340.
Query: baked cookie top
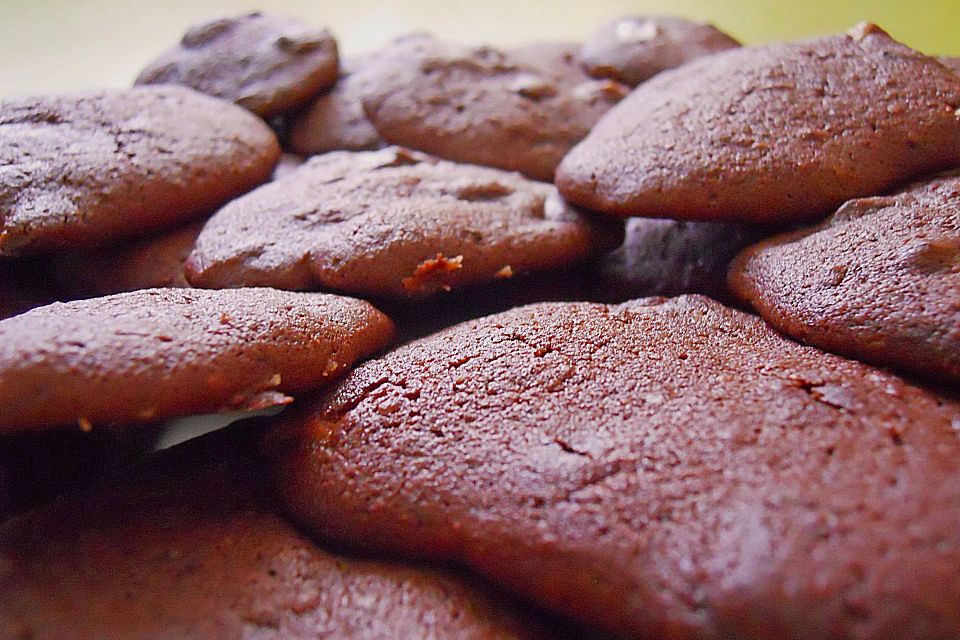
column 781, row 133
column 160, row 353
column 878, row 281
column 391, row 223
column 267, row 63
column 482, row 106
column 81, row 170
column 662, row 468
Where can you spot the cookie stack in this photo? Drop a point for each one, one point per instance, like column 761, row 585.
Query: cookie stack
column 508, row 297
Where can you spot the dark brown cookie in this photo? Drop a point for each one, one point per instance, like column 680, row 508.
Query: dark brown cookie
column 159, row 353
column 781, row 133
column 335, row 121
column 390, row 223
column 632, row 49
column 661, row 469
column 482, row 106
column 191, row 548
column 81, row 170
column 670, row 257
column 269, row 64
column 878, row 281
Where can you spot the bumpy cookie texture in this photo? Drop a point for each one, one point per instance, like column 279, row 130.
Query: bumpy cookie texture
column 670, row 257
column 191, row 548
column 632, row 49
column 781, row 133
column 878, row 281
column 391, row 223
column 335, row 121
column 482, row 106
column 158, row 353
column 660, row 469
column 266, row 63
column 81, row 170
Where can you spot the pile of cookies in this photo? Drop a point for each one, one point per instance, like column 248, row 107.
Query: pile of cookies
column 510, row 296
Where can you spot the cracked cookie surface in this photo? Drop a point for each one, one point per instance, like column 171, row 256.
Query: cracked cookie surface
column 391, row 223
column 661, row 469
column 161, row 353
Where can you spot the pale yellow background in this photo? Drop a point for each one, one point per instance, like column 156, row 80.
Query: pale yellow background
column 50, row 45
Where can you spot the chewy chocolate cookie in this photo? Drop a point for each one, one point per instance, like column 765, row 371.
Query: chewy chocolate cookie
column 632, row 49
column 335, row 121
column 482, row 106
column 191, row 548
column 878, row 281
column 782, row 133
column 82, row 170
column 269, row 64
column 391, row 223
column 659, row 469
column 160, row 353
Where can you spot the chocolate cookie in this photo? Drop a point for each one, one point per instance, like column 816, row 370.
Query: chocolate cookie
column 670, row 257
column 335, row 121
column 632, row 49
column 781, row 133
column 81, row 170
column 878, row 281
column 660, row 469
column 191, row 548
column 150, row 263
column 266, row 63
column 159, row 353
column 390, row 223
column 482, row 106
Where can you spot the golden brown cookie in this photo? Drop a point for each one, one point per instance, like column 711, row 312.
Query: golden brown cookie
column 391, row 223
column 660, row 469
column 82, row 170
column 335, row 120
column 632, row 49
column 878, row 281
column 191, row 548
column 159, row 353
column 481, row 106
column 781, row 133
column 267, row 63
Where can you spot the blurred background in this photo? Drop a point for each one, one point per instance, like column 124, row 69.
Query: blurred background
column 51, row 45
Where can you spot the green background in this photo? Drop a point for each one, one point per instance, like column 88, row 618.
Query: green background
column 49, row 45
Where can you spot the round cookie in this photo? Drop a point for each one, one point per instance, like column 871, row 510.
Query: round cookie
column 877, row 281
column 269, row 64
column 632, row 49
column 660, row 469
column 191, row 548
column 391, row 223
column 81, row 170
column 335, row 120
column 160, row 353
column 481, row 106
column 670, row 257
column 776, row 134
